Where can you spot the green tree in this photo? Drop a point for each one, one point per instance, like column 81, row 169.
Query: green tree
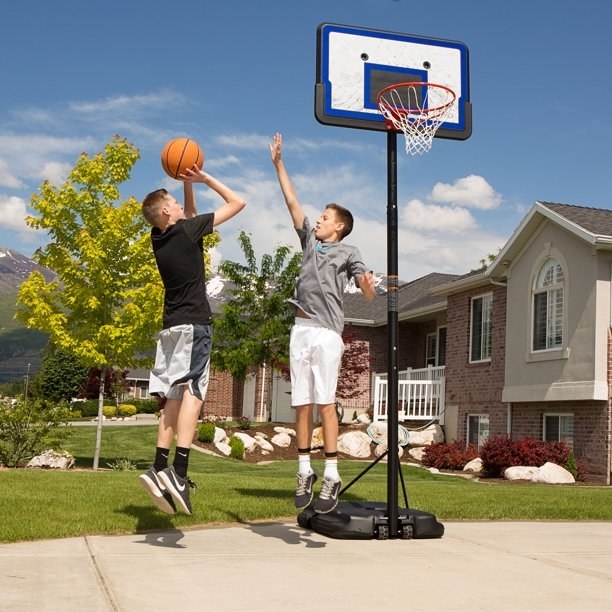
column 252, row 329
column 106, row 305
column 61, row 375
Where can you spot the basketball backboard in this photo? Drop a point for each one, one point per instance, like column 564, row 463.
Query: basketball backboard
column 355, row 64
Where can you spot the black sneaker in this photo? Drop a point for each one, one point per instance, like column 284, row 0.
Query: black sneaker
column 303, row 491
column 178, row 487
column 328, row 497
column 157, row 491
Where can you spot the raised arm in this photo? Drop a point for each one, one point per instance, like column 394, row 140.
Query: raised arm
column 233, row 202
column 189, row 203
column 293, row 205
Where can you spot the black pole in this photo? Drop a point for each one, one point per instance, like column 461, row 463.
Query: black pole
column 392, row 335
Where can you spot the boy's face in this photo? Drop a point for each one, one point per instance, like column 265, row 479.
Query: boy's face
column 327, row 228
column 173, row 209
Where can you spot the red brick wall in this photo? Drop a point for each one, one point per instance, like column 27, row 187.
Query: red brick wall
column 476, row 388
column 591, row 420
column 224, row 396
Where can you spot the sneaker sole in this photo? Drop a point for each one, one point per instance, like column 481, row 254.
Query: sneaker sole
column 178, row 498
column 319, row 511
column 302, row 507
column 153, row 492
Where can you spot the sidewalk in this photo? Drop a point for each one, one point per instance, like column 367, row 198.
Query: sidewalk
column 475, row 566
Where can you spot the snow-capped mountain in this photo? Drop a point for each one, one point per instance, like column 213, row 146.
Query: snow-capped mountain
column 15, row 268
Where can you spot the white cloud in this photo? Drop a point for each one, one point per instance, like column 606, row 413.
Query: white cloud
column 13, row 211
column 437, row 219
column 54, row 171
column 7, row 179
column 471, row 191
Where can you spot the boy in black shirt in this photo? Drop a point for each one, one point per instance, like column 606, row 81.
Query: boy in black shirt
column 182, row 362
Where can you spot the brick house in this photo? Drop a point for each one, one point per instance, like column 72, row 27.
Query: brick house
column 524, row 347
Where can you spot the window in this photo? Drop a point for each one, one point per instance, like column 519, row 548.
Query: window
column 435, row 348
column 481, row 323
column 430, row 357
column 441, row 346
column 548, row 307
column 559, row 427
column 478, row 429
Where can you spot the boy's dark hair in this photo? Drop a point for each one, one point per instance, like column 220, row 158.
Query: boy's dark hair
column 150, row 205
column 343, row 215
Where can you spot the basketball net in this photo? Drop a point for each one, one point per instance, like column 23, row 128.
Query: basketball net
column 417, row 110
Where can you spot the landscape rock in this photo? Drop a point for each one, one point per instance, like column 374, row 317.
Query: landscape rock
column 552, row 473
column 220, row 435
column 417, row 452
column 281, row 439
column 355, row 444
column 248, row 441
column 520, row 472
column 380, row 449
column 433, row 433
column 52, row 459
column 224, row 448
column 475, row 465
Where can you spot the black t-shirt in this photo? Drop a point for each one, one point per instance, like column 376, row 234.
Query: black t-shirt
column 179, row 253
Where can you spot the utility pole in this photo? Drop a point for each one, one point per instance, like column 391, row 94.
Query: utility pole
column 27, row 380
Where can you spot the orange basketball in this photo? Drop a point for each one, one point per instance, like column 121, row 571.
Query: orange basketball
column 180, row 154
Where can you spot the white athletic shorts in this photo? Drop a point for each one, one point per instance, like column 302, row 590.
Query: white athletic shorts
column 182, row 360
column 315, row 353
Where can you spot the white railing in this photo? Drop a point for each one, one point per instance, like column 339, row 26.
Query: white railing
column 420, row 395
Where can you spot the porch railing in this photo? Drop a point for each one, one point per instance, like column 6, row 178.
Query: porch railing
column 420, row 395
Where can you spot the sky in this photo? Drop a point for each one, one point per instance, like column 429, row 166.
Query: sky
column 232, row 73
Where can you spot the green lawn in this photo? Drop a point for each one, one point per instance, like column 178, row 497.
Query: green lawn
column 37, row 504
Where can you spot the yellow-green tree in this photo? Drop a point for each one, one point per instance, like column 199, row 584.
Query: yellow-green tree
column 106, row 304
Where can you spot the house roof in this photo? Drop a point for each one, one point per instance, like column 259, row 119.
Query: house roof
column 593, row 225
column 414, row 302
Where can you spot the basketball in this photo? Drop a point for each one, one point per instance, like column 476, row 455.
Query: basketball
column 180, row 154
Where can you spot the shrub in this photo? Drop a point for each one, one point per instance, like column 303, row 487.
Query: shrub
column 145, row 406
column 29, row 427
column 122, row 465
column 89, row 408
column 500, row 453
column 244, row 422
column 449, row 456
column 237, row 447
column 206, row 432
column 109, row 411
column 126, row 410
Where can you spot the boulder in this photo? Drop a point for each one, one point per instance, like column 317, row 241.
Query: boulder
column 52, row 459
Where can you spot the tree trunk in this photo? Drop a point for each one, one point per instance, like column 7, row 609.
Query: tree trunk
column 100, row 419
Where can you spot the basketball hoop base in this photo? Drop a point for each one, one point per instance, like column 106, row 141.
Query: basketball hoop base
column 370, row 521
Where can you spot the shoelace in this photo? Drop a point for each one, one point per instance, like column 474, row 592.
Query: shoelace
column 192, row 484
column 302, row 484
column 327, row 488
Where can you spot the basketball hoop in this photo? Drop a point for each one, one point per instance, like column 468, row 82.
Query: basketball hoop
column 417, row 110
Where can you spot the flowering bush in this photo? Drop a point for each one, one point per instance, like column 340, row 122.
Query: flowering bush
column 500, row 453
column 449, row 456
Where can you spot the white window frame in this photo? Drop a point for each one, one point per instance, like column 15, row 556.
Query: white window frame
column 566, row 416
column 480, row 438
column 486, row 328
column 548, row 284
column 431, row 341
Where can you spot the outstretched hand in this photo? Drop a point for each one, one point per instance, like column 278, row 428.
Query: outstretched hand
column 367, row 286
column 194, row 175
column 275, row 148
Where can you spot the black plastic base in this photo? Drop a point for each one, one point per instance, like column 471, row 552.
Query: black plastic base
column 369, row 520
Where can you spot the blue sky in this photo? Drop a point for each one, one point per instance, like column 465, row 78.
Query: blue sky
column 230, row 74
